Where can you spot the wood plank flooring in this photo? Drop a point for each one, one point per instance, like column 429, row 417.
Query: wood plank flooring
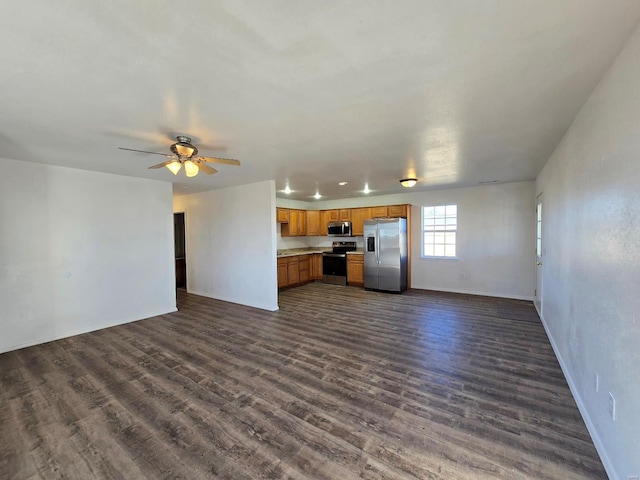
column 340, row 383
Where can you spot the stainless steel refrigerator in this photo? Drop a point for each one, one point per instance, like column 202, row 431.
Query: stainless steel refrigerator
column 385, row 254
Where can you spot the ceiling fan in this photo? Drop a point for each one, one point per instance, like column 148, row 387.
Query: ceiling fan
column 184, row 154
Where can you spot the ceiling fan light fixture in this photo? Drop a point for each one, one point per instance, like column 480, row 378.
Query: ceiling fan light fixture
column 174, row 167
column 190, row 169
column 408, row 182
column 183, row 147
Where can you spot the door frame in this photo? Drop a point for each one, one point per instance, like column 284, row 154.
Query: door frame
column 539, row 255
column 186, row 280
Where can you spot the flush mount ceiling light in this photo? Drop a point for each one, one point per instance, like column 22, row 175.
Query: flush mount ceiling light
column 317, row 196
column 408, row 182
column 287, row 190
column 366, row 188
column 342, row 184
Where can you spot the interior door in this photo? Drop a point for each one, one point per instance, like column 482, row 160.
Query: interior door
column 180, row 250
column 539, row 256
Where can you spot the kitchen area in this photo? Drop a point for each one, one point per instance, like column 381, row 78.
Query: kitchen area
column 333, row 246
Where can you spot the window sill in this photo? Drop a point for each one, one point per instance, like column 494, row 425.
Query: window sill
column 438, row 258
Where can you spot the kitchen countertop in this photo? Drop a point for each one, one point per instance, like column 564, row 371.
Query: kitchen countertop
column 308, row 251
column 301, row 251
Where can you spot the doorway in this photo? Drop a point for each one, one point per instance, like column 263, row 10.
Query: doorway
column 539, row 256
column 180, row 250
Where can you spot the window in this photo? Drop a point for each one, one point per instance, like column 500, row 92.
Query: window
column 439, row 227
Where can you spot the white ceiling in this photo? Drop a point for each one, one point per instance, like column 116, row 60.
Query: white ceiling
column 307, row 92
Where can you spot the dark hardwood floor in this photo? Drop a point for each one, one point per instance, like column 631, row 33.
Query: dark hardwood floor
column 340, row 383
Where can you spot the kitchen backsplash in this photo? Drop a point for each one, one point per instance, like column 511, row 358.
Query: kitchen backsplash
column 285, row 243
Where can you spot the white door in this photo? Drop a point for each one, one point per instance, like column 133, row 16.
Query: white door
column 539, row 256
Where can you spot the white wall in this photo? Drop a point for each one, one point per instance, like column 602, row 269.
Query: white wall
column 231, row 244
column 80, row 251
column 496, row 238
column 591, row 267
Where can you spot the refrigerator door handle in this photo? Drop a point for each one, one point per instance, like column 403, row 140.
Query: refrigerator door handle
column 377, row 245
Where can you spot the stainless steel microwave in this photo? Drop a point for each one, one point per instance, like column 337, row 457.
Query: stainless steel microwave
column 339, row 229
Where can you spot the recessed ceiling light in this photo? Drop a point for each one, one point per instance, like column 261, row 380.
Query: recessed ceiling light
column 408, row 182
column 366, row 188
column 317, row 196
column 342, row 184
column 287, row 190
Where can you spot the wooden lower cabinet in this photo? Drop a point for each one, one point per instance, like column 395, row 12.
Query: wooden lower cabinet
column 299, row 269
column 304, row 271
column 283, row 274
column 293, row 270
column 355, row 270
column 316, row 266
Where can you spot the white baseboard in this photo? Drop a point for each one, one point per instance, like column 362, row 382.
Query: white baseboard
column 269, row 308
column 81, row 331
column 476, row 292
column 597, row 441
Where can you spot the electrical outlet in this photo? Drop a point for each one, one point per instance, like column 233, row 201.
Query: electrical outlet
column 612, row 406
column 596, row 381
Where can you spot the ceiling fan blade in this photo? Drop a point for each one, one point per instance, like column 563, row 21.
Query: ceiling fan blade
column 206, row 168
column 224, row 161
column 144, row 151
column 163, row 164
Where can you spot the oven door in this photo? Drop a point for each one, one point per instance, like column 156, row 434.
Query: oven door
column 334, row 268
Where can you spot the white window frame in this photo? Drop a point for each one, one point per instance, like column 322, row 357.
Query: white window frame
column 444, row 229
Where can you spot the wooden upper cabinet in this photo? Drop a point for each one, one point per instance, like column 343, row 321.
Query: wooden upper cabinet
column 282, row 215
column 377, row 212
column 324, row 219
column 302, row 222
column 358, row 216
column 345, row 215
column 292, row 229
column 313, row 223
column 333, row 215
column 397, row 211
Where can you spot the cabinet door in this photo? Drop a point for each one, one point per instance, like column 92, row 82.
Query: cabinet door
column 397, row 211
column 345, row 214
column 324, row 219
column 290, row 229
column 313, row 222
column 294, row 220
column 358, row 216
column 282, row 215
column 316, row 266
column 355, row 270
column 377, row 212
column 283, row 277
column 333, row 215
column 293, row 271
column 302, row 222
column 304, row 269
